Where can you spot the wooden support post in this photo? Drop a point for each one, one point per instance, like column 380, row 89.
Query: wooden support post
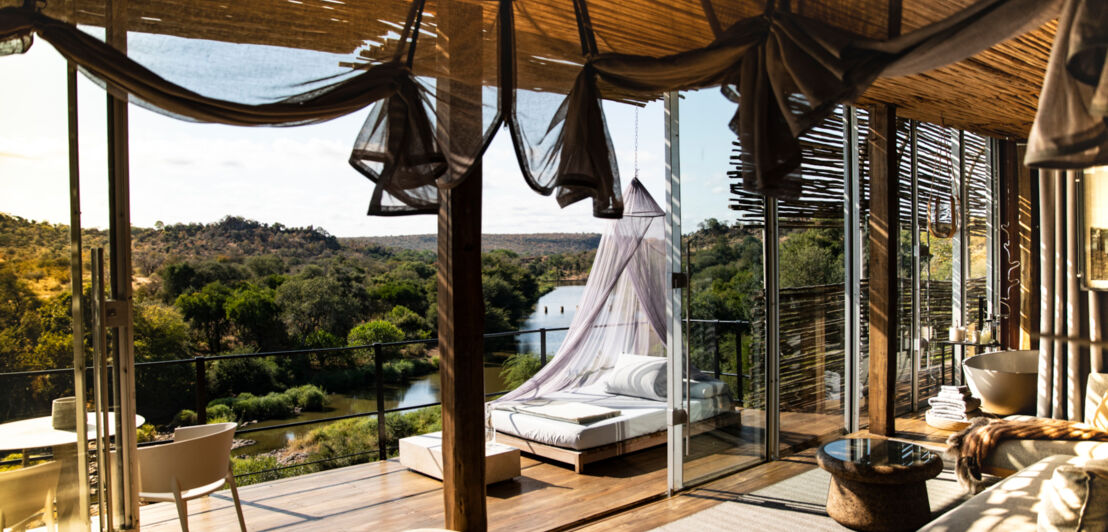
column 461, row 307
column 884, row 227
column 461, row 312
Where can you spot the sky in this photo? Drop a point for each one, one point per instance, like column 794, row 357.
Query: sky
column 184, row 172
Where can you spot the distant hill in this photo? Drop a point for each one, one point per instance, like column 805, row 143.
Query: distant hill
column 528, row 245
column 39, row 251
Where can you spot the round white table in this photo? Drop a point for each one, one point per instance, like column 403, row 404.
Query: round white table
column 40, row 432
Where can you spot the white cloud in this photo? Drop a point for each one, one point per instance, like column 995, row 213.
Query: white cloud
column 188, row 172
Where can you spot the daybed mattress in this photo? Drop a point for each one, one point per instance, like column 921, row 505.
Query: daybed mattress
column 637, row 417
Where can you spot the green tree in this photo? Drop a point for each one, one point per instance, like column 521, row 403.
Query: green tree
column 372, row 332
column 205, row 310
column 812, row 257
column 254, row 312
column 162, row 334
column 317, row 303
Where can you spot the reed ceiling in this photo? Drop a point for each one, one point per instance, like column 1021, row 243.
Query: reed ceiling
column 994, row 92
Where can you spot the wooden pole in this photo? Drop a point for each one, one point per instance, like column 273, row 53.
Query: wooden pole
column 461, row 312
column 884, row 227
column 461, row 308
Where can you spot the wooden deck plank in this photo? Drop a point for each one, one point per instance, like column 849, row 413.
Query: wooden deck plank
column 911, row 428
column 386, row 496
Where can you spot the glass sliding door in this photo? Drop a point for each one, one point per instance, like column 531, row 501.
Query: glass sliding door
column 716, row 250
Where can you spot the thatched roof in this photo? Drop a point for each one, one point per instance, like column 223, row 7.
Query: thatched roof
column 994, row 92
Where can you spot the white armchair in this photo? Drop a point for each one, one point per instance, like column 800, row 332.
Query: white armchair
column 196, row 464
column 27, row 494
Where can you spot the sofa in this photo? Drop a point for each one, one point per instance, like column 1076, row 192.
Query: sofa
column 1015, row 455
column 1014, row 504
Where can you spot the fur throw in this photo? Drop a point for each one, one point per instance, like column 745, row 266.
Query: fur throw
column 970, row 447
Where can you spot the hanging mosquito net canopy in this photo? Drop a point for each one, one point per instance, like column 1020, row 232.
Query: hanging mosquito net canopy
column 623, row 307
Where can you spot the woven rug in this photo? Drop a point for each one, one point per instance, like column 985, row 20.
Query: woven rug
column 795, row 505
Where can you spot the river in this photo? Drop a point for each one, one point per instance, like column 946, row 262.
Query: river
column 554, row 309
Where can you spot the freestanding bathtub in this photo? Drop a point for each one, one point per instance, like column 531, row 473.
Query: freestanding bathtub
column 1005, row 381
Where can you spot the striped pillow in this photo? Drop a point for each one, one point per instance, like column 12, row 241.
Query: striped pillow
column 638, row 376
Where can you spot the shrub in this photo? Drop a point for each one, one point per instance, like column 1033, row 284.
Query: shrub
column 219, row 413
column 146, row 433
column 271, row 406
column 225, row 401
column 242, row 375
column 255, row 464
column 184, row 418
column 308, row 397
column 359, row 435
column 519, row 368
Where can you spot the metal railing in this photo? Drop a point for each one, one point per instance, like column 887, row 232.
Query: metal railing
column 200, row 362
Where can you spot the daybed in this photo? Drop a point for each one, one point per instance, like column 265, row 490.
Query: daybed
column 641, row 423
column 612, row 361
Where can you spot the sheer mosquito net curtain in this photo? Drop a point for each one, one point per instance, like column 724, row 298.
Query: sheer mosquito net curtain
column 623, row 307
column 433, row 68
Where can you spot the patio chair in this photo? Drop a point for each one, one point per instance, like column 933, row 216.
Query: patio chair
column 27, row 494
column 196, row 464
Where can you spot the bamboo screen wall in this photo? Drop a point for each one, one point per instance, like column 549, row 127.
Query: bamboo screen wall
column 812, row 317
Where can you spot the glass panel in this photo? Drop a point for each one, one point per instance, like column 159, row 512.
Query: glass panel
column 934, row 170
column 38, row 399
column 812, row 280
column 978, row 213
column 724, row 305
column 904, row 358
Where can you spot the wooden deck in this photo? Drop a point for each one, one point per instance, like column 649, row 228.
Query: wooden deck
column 623, row 493
column 909, row 428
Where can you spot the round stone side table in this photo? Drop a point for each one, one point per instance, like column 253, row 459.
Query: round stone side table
column 878, row 484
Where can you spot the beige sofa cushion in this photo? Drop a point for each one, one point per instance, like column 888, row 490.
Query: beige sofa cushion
column 1076, row 499
column 1096, row 391
column 1010, row 505
column 1013, row 455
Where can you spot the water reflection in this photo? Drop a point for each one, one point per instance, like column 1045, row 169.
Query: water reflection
column 555, row 309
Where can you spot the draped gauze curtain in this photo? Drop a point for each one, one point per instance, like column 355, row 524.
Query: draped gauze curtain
column 623, row 307
column 1071, row 124
column 435, row 110
column 1066, row 311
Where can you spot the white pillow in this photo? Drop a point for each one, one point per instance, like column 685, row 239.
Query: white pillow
column 706, row 389
column 638, row 376
column 1075, row 499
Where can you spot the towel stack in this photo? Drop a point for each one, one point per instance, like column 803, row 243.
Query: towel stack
column 954, row 403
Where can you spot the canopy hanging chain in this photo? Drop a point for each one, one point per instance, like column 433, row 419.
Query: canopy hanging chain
column 935, row 204
column 636, row 142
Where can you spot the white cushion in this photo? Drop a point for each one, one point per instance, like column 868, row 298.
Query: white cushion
column 638, row 376
column 1076, row 499
column 706, row 389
